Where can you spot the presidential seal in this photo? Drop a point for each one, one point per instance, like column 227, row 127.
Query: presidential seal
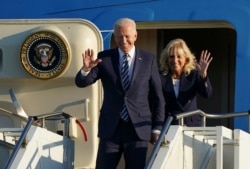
column 44, row 55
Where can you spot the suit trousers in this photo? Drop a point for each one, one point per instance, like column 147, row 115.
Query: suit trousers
column 124, row 141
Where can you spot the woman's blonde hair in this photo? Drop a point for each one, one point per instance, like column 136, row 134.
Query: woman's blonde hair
column 170, row 49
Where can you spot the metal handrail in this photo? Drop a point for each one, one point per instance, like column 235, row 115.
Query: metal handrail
column 13, row 114
column 204, row 116
column 55, row 116
column 43, row 117
column 159, row 142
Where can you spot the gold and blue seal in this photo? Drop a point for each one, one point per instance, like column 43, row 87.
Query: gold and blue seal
column 44, row 55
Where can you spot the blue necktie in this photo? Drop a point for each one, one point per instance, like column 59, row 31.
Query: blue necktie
column 125, row 82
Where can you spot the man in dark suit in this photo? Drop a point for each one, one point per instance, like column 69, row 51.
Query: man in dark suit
column 128, row 133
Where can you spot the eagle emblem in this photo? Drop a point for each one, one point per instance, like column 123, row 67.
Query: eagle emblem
column 45, row 55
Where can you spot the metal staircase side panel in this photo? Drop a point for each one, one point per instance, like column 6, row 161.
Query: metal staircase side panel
column 241, row 149
column 203, row 148
column 170, row 155
column 197, row 151
column 211, row 163
column 228, row 155
column 44, row 149
column 5, row 152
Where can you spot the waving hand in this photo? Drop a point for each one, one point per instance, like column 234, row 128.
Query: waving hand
column 203, row 63
column 88, row 60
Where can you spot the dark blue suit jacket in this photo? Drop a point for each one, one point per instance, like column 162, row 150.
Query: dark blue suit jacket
column 145, row 78
column 190, row 86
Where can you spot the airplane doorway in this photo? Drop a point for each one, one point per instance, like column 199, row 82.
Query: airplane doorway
column 219, row 38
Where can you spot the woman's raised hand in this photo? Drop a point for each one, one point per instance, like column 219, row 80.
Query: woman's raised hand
column 204, row 62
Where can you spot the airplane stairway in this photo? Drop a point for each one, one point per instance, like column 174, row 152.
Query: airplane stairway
column 35, row 147
column 203, row 147
column 30, row 141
